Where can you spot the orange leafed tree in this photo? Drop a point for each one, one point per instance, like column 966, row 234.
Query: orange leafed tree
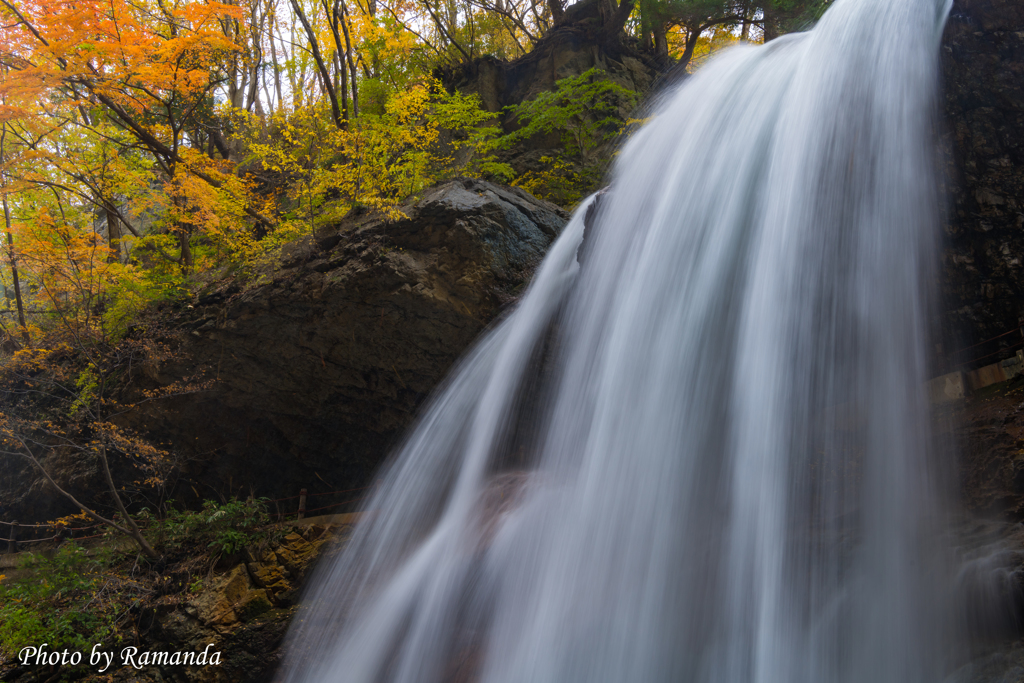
column 149, row 69
column 152, row 66
column 101, row 83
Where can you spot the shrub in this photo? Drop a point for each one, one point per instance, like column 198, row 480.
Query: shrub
column 59, row 601
column 227, row 528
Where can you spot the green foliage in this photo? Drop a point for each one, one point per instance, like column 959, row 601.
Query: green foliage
column 230, row 541
column 86, row 384
column 587, row 112
column 797, row 15
column 227, row 528
column 686, row 11
column 57, row 601
column 137, row 288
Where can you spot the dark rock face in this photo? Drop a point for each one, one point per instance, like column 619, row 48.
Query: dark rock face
column 568, row 50
column 990, row 435
column 983, row 263
column 320, row 368
column 563, row 53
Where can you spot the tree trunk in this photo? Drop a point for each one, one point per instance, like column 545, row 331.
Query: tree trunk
column 351, row 59
column 343, row 79
column 12, row 259
column 14, row 272
column 183, row 231
column 453, row 14
column 646, row 36
column 660, row 32
column 334, row 19
column 557, row 10
column 113, row 235
column 325, row 74
column 274, row 35
column 692, row 37
column 771, row 22
column 613, row 18
column 238, row 96
column 252, row 99
column 132, row 527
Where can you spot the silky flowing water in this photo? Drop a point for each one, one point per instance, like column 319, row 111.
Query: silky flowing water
column 698, row 450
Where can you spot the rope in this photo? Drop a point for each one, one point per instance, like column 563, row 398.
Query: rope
column 36, row 540
column 326, row 507
column 994, row 353
column 72, row 530
column 48, row 525
column 53, row 538
column 344, row 502
column 328, row 493
column 998, row 336
column 86, row 538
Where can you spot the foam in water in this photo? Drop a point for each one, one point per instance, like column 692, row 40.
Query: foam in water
column 701, row 455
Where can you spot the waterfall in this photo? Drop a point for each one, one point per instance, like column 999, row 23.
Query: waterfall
column 698, row 450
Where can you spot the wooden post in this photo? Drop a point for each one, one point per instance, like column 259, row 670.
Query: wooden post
column 302, row 503
column 12, row 541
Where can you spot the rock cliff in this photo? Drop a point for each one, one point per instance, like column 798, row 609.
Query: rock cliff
column 983, row 287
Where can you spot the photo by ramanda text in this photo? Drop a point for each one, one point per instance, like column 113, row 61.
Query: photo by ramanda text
column 128, row 656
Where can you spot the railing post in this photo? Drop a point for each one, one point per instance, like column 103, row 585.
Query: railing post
column 302, row 503
column 12, row 541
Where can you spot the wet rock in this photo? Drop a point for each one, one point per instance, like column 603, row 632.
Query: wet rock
column 983, row 64
column 990, row 594
column 990, row 434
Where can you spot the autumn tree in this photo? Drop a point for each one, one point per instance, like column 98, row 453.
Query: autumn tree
column 149, row 76
column 60, row 399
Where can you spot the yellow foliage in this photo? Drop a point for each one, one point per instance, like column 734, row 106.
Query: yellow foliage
column 559, row 182
column 710, row 42
column 423, row 135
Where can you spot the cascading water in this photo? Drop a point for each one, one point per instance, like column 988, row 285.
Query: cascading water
column 700, row 451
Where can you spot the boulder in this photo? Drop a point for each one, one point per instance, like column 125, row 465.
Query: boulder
column 319, row 368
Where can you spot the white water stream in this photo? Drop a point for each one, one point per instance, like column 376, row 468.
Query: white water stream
column 703, row 454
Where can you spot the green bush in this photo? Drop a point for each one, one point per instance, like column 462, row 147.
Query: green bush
column 586, row 111
column 57, row 601
column 228, row 528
